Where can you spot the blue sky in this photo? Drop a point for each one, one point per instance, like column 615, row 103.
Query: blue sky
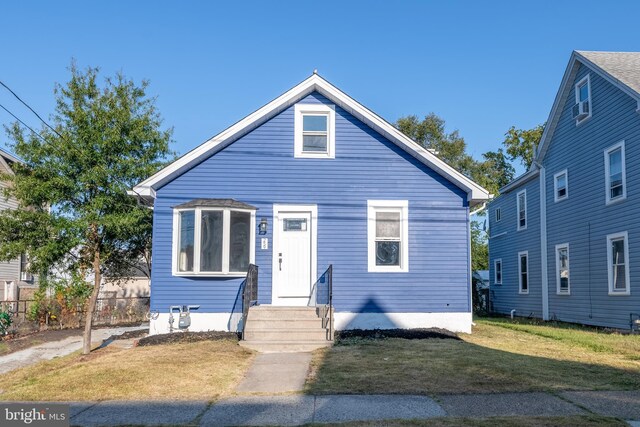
column 482, row 66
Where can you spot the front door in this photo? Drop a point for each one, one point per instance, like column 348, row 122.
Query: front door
column 293, row 254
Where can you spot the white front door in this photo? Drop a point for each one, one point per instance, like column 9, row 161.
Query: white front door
column 293, row 254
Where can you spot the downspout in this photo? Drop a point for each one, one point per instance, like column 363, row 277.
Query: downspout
column 543, row 243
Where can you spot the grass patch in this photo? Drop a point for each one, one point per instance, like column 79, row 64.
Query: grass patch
column 203, row 370
column 573, row 421
column 497, row 357
column 3, row 348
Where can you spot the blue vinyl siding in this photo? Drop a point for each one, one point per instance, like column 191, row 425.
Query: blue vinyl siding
column 506, row 297
column 259, row 169
column 584, row 220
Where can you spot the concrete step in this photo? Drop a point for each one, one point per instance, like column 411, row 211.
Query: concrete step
column 284, row 346
column 315, row 334
column 258, row 324
column 282, row 313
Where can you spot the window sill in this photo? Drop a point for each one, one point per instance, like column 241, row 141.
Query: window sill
column 522, row 228
column 186, row 274
column 563, row 293
column 388, row 270
column 523, row 292
column 616, row 200
column 313, row 156
column 586, row 119
column 620, row 294
column 561, row 200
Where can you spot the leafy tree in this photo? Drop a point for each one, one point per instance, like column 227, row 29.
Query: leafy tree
column 521, row 144
column 72, row 187
column 479, row 247
column 494, row 172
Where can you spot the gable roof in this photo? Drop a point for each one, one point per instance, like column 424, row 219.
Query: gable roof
column 621, row 69
column 476, row 194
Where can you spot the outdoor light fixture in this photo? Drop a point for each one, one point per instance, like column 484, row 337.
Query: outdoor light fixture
column 262, row 227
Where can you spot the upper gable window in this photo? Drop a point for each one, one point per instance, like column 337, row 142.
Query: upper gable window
column 582, row 108
column 314, row 131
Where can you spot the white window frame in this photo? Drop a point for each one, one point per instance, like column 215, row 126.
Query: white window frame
column 495, row 271
column 226, row 237
column 520, row 290
column 607, row 173
column 610, row 238
column 526, row 219
column 566, row 186
column 498, row 214
column 401, row 206
column 559, row 291
column 315, row 109
column 586, row 79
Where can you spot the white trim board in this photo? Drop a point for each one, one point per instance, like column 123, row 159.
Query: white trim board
column 475, row 193
column 454, row 322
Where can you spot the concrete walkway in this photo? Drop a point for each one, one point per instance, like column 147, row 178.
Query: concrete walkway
column 299, row 409
column 276, row 373
column 50, row 350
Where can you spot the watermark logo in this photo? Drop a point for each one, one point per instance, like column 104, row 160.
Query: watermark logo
column 34, row 414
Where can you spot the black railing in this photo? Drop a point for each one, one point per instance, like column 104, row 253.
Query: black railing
column 249, row 293
column 322, row 299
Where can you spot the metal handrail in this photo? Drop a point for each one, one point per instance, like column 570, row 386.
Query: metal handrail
column 321, row 297
column 249, row 293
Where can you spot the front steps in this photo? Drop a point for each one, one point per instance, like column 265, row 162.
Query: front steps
column 275, row 329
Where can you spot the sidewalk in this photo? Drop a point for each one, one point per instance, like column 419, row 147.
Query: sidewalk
column 300, row 409
column 50, row 350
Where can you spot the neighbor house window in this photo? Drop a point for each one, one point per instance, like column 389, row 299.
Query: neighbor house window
column 314, row 131
column 388, row 230
column 497, row 271
column 213, row 241
column 562, row 269
column 618, row 262
column 561, row 185
column 615, row 173
column 498, row 215
column 522, row 210
column 523, row 272
column 25, row 275
column 582, row 108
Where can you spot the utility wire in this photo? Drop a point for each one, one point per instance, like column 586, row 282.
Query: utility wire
column 140, row 197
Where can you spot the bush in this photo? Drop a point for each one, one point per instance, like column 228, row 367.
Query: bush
column 66, row 301
column 5, row 322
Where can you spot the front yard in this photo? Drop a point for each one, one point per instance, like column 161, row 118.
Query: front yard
column 202, row 370
column 500, row 356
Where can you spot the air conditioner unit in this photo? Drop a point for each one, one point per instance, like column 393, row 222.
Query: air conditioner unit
column 26, row 277
column 581, row 110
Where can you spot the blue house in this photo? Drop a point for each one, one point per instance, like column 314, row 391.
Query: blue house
column 312, row 179
column 564, row 237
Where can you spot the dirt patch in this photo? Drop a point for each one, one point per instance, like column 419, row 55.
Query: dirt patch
column 187, row 337
column 21, row 342
column 409, row 334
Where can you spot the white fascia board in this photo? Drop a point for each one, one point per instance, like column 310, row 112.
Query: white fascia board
column 476, row 194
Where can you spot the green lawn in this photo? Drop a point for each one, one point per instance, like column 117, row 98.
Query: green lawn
column 500, row 356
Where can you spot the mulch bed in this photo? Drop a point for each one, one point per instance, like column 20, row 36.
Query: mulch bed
column 187, row 337
column 129, row 335
column 409, row 334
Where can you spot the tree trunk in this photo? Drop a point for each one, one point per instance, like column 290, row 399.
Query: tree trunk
column 91, row 305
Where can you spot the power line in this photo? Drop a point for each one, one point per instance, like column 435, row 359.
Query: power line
column 29, row 107
column 140, row 197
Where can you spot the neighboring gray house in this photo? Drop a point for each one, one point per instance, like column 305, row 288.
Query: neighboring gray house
column 565, row 236
column 13, row 274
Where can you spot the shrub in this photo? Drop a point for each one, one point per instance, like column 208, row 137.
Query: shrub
column 5, row 322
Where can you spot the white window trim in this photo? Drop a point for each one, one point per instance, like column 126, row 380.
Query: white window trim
column 558, row 290
column 610, row 238
column 226, row 218
column 498, row 214
column 495, row 271
column 607, row 174
column 555, row 186
column 330, row 112
column 526, row 219
column 389, row 205
column 520, row 290
column 586, row 78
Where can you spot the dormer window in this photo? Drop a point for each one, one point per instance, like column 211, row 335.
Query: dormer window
column 314, row 131
column 582, row 108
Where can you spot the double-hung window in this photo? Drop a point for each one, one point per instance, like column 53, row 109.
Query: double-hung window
column 388, row 240
column 213, row 238
column 314, row 130
column 562, row 269
column 498, row 214
column 523, row 272
column 522, row 210
column 618, row 263
column 615, row 173
column 582, row 108
column 497, row 271
column 561, row 185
